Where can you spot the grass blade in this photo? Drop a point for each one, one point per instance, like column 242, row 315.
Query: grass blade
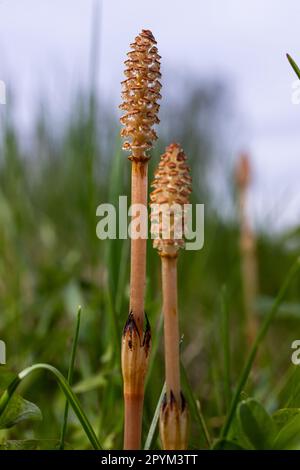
column 294, row 65
column 204, row 427
column 122, row 277
column 260, row 336
column 194, row 408
column 65, row 387
column 155, row 419
column 70, row 378
column 154, row 350
column 226, row 345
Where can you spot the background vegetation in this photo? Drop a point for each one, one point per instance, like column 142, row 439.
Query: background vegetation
column 51, row 261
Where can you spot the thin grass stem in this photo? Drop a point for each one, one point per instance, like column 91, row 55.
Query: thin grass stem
column 155, row 419
column 70, row 378
column 65, row 387
column 226, row 345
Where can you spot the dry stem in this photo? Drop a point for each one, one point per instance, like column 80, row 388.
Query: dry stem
column 139, row 192
column 171, row 326
column 134, row 385
column 133, row 421
column 174, row 413
column 248, row 252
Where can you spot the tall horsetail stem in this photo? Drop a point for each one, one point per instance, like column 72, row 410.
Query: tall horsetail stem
column 140, row 93
column 247, row 248
column 172, row 186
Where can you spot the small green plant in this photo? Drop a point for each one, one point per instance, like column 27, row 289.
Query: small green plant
column 256, row 429
column 14, row 409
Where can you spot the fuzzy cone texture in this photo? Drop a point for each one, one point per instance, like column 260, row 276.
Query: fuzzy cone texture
column 141, row 91
column 172, row 187
column 174, row 424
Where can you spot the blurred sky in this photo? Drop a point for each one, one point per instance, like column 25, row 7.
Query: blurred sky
column 45, row 50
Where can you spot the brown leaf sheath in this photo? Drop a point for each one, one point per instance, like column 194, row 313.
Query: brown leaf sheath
column 140, row 93
column 135, row 358
column 174, row 423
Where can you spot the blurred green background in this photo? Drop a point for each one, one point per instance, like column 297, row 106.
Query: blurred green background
column 51, row 261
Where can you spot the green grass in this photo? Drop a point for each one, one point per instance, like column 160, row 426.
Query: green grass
column 51, row 262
